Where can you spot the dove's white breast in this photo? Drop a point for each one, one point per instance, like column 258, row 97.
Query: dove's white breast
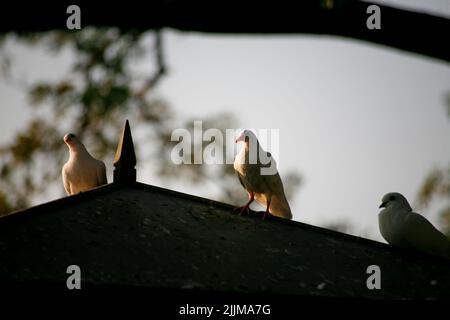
column 250, row 173
column 391, row 225
column 81, row 173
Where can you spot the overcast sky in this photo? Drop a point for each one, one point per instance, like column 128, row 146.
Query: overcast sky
column 356, row 120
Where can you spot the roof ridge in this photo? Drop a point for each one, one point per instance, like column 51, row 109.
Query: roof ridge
column 255, row 214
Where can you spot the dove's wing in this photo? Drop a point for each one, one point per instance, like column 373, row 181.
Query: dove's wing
column 421, row 234
column 273, row 189
column 66, row 180
column 279, row 205
column 101, row 174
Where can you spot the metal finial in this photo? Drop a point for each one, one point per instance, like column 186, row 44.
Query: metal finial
column 125, row 158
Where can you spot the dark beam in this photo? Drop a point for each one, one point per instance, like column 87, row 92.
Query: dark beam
column 410, row 31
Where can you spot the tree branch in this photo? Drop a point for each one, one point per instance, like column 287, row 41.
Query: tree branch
column 406, row 30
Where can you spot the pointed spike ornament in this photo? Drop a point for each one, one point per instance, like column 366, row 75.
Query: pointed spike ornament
column 125, row 158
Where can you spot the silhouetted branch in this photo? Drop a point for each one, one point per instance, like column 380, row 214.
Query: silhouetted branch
column 406, row 30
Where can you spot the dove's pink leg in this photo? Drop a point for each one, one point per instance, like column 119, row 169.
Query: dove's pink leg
column 246, row 207
column 267, row 209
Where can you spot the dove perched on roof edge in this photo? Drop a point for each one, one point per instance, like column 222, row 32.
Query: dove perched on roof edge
column 82, row 171
column 402, row 227
column 251, row 165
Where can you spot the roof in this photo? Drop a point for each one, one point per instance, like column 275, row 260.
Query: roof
column 136, row 235
column 140, row 235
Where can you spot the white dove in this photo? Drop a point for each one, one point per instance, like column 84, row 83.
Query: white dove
column 402, row 227
column 81, row 172
column 257, row 172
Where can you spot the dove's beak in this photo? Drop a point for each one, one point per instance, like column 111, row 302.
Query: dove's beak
column 240, row 138
column 68, row 138
column 382, row 205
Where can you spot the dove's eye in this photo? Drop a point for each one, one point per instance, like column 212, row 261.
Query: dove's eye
column 391, row 198
column 71, row 136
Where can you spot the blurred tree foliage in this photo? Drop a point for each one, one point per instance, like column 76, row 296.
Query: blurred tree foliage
column 437, row 185
column 101, row 91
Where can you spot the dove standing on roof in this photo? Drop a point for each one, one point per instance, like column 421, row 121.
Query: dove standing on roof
column 402, row 227
column 81, row 172
column 257, row 172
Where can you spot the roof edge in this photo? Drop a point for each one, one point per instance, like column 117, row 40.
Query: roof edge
column 64, row 200
column 254, row 214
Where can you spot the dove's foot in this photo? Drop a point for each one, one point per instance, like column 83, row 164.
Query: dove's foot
column 267, row 210
column 246, row 207
column 242, row 209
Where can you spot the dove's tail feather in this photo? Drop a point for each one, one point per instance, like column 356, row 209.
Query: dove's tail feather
column 280, row 207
